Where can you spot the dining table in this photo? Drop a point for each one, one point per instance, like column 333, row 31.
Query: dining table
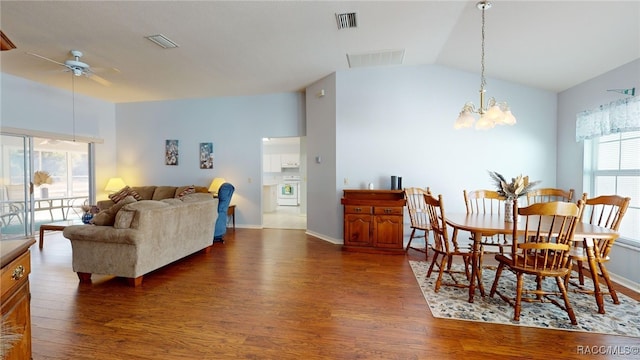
column 491, row 224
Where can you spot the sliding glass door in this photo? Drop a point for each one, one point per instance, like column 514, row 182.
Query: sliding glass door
column 42, row 180
column 15, row 192
column 65, row 167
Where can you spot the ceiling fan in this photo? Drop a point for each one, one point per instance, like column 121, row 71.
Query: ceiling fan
column 77, row 67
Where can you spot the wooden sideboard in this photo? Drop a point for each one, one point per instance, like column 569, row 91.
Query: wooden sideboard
column 373, row 221
column 15, row 299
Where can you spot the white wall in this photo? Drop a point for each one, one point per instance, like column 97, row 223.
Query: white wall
column 33, row 106
column 585, row 96
column 399, row 121
column 235, row 126
column 324, row 213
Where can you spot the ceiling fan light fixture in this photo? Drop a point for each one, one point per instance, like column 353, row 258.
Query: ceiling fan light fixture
column 162, row 41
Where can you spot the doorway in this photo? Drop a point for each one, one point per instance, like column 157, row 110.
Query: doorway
column 284, row 183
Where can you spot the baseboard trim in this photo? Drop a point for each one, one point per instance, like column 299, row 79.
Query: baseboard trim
column 325, row 238
column 629, row 284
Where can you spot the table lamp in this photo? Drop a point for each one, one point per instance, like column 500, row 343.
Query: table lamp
column 215, row 185
column 114, row 184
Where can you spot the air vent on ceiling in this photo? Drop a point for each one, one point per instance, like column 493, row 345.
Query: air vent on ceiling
column 346, row 20
column 162, row 41
column 378, row 58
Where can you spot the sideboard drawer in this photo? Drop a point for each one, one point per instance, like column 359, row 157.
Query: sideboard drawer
column 15, row 273
column 357, row 209
column 388, row 210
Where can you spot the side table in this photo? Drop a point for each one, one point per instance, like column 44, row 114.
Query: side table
column 231, row 213
column 56, row 226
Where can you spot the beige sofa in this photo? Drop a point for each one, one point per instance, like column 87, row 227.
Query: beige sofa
column 155, row 193
column 145, row 236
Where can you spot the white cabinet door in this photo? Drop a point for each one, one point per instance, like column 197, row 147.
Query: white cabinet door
column 271, row 163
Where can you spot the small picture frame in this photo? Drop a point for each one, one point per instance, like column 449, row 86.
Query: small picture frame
column 206, row 155
column 171, row 152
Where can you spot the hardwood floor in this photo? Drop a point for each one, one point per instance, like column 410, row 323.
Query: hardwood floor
column 267, row 294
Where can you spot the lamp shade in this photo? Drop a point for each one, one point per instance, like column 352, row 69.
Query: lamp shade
column 215, row 185
column 114, row 184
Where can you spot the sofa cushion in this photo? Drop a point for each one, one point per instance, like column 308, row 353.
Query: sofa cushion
column 123, row 193
column 172, row 201
column 195, row 197
column 202, row 189
column 164, row 192
column 185, row 190
column 126, row 217
column 107, row 217
column 145, row 191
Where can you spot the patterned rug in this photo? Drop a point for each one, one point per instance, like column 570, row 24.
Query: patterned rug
column 452, row 303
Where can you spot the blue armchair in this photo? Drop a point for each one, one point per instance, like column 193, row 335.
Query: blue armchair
column 224, row 198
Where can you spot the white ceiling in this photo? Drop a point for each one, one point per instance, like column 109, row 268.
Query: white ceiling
column 229, row 48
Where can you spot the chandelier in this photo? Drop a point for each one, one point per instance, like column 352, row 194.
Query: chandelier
column 494, row 113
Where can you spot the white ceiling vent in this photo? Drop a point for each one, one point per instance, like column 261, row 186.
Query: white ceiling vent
column 162, row 41
column 378, row 58
column 346, row 20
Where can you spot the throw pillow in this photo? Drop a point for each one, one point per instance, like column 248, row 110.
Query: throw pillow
column 188, row 190
column 108, row 217
column 123, row 193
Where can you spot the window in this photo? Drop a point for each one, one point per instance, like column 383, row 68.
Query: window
column 612, row 166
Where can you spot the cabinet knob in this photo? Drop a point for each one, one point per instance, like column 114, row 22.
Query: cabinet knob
column 358, row 209
column 18, row 273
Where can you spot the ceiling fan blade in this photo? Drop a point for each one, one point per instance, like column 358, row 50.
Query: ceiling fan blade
column 46, row 58
column 100, row 80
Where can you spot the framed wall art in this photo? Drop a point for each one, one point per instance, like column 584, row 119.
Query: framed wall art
column 171, row 152
column 206, row 155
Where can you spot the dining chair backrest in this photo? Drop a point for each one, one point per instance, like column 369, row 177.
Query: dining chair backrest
column 548, row 195
column 605, row 210
column 417, row 207
column 15, row 192
column 548, row 232
column 483, row 202
column 437, row 219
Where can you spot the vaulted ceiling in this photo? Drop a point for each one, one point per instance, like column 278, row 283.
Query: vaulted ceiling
column 229, row 48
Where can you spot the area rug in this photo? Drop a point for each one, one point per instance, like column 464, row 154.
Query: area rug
column 453, row 303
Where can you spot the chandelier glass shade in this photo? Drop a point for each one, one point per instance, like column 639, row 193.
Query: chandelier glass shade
column 494, row 113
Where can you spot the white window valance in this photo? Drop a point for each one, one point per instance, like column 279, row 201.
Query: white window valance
column 618, row 116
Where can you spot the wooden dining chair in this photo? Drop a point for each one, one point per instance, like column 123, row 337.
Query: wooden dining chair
column 418, row 216
column 446, row 248
column 487, row 202
column 549, row 194
column 605, row 211
column 541, row 251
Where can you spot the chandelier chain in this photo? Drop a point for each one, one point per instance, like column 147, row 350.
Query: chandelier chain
column 495, row 113
column 483, row 81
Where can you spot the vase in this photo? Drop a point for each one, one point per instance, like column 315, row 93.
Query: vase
column 86, row 218
column 508, row 210
column 44, row 192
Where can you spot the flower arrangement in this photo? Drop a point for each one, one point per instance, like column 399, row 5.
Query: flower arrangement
column 42, row 177
column 517, row 187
